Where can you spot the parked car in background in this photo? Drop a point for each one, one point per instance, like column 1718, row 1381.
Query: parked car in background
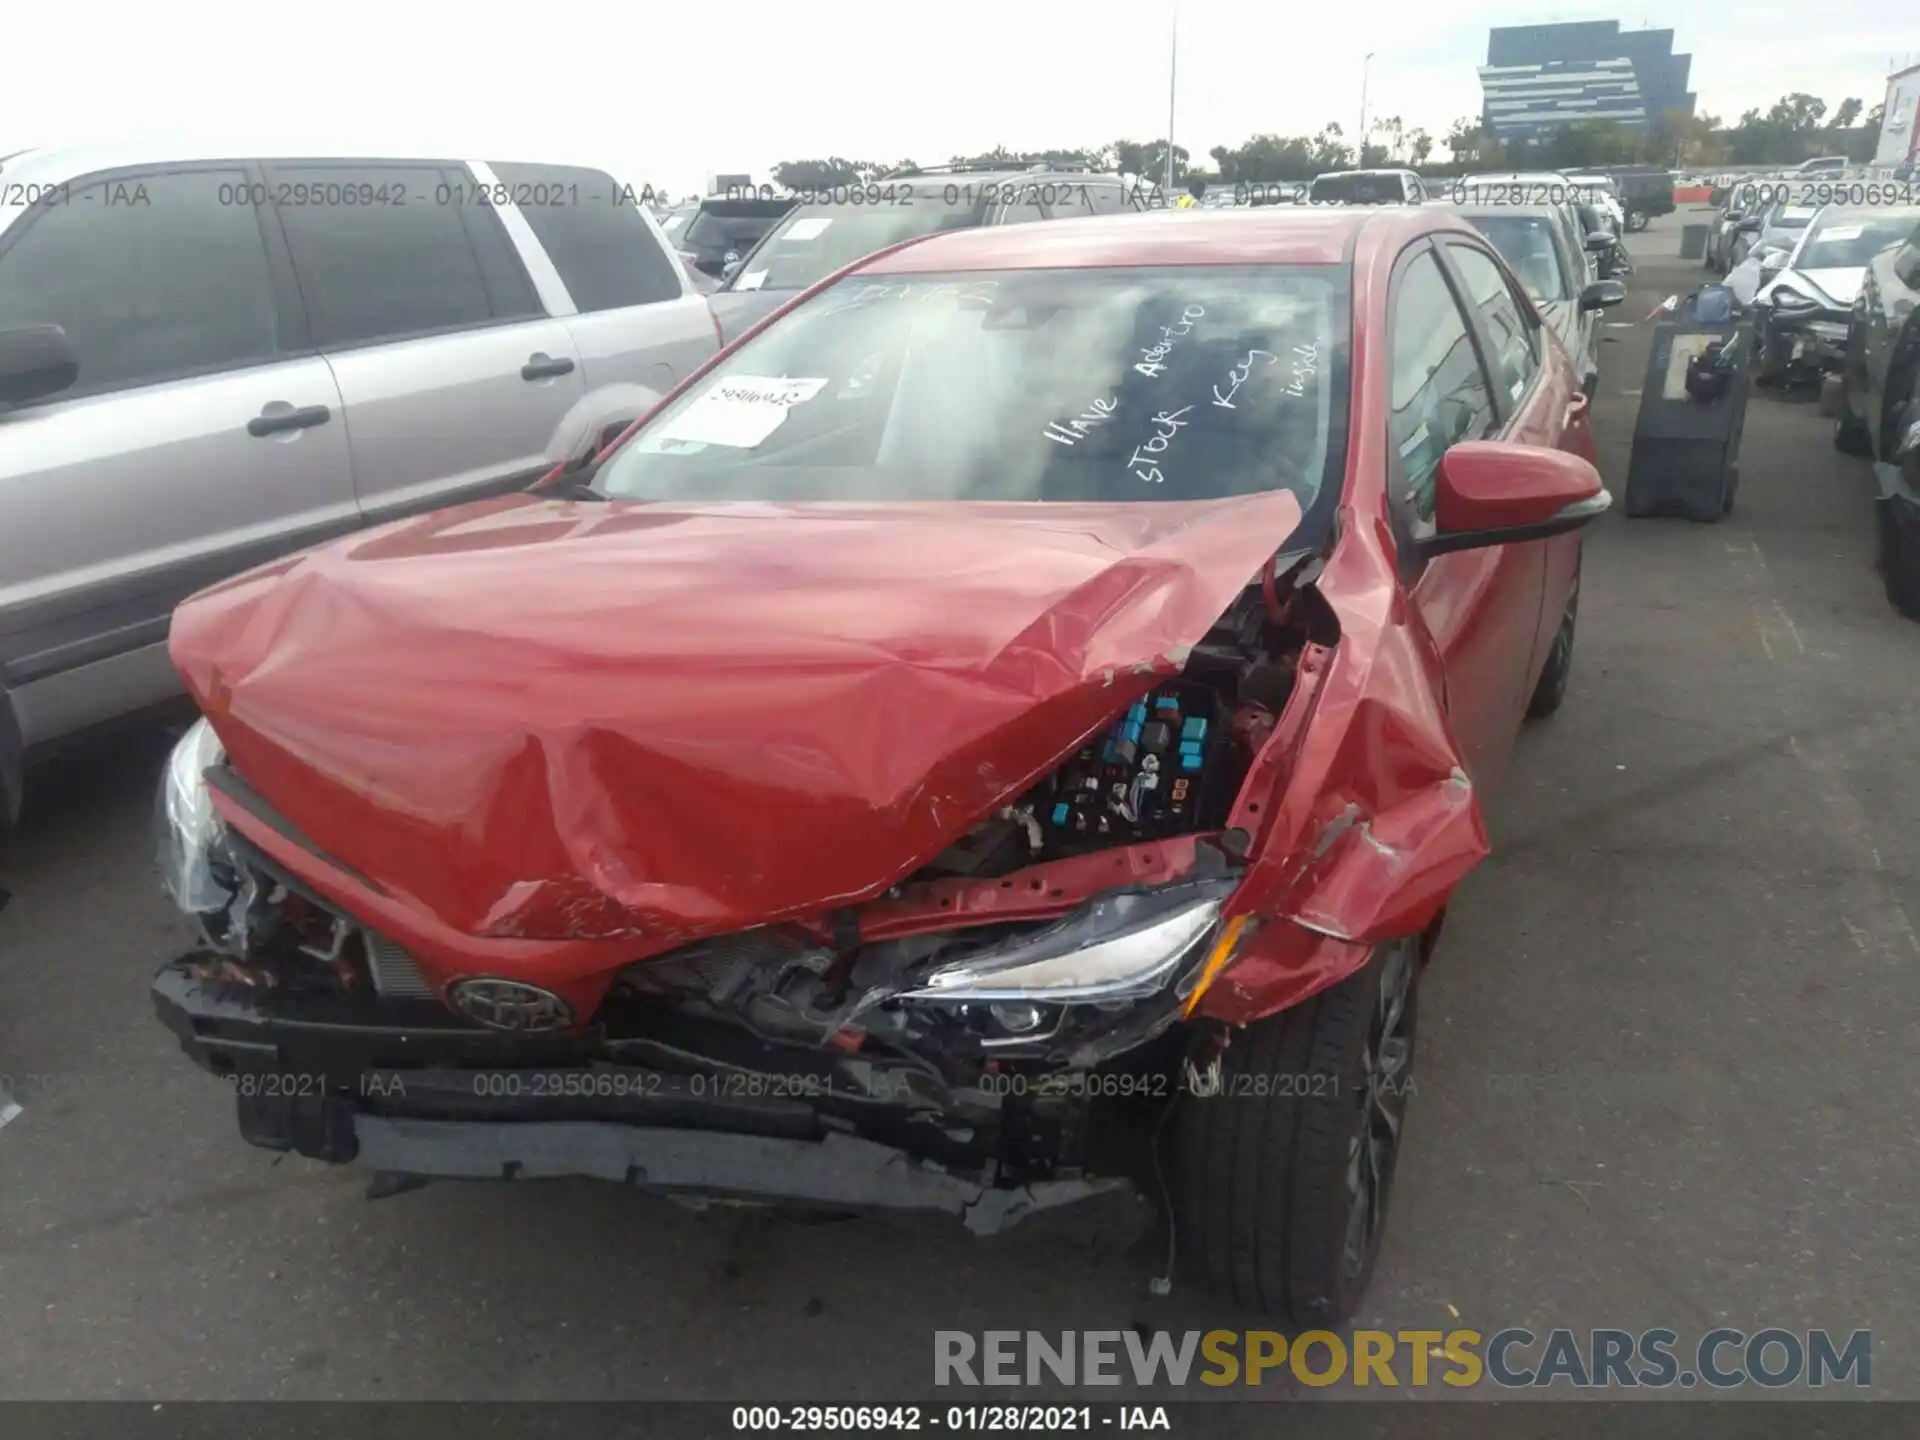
column 1544, row 253
column 1805, row 312
column 1777, row 227
column 1646, row 192
column 1723, row 228
column 995, row 701
column 1603, row 193
column 674, row 222
column 815, row 240
column 1763, row 252
column 1822, row 165
column 211, row 359
column 1883, row 352
column 1367, row 187
column 725, row 228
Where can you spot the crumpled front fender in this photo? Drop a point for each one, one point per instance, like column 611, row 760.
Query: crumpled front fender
column 1378, row 821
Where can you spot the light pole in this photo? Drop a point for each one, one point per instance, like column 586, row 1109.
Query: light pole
column 1360, row 154
column 1173, row 71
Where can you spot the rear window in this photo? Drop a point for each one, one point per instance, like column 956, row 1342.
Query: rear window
column 728, row 229
column 816, row 240
column 1358, row 190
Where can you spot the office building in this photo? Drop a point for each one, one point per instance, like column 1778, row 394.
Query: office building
column 1540, row 77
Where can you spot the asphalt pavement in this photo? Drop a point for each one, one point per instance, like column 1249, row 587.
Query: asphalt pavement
column 1667, row 1069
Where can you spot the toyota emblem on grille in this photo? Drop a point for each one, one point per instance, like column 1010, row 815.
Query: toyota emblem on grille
column 508, row 1005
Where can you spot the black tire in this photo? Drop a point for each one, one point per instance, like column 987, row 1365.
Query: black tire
column 1899, row 566
column 1850, row 433
column 1770, row 359
column 1284, row 1176
column 1551, row 689
column 1637, row 219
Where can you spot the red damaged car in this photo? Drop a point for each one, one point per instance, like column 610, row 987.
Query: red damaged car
column 1019, row 714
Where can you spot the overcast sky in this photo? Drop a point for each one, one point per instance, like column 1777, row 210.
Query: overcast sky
column 672, row 92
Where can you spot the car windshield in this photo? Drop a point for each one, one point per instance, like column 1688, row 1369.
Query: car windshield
column 1177, row 383
column 675, row 221
column 1525, row 242
column 816, row 240
column 1358, row 189
column 1847, row 238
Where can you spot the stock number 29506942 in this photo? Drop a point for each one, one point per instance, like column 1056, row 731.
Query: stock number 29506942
column 1079, row 1084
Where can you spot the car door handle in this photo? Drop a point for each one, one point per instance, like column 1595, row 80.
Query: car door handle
column 545, row 367
column 1577, row 409
column 275, row 421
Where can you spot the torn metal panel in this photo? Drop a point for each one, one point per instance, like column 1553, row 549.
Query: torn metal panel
column 1377, row 819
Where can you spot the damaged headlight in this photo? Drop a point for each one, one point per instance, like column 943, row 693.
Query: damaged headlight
column 189, row 827
column 1121, row 947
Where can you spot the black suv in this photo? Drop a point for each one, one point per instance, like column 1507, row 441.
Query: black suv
column 833, row 227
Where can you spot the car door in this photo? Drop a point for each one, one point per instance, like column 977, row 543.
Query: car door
column 202, row 435
column 606, row 270
column 453, row 378
column 1544, row 404
column 1481, row 607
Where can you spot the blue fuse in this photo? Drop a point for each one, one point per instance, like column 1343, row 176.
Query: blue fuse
column 1060, row 813
column 1137, row 711
column 1194, row 729
column 1166, row 702
column 1192, row 760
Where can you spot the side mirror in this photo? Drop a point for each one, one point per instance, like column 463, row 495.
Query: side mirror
column 1600, row 240
column 35, row 361
column 731, row 269
column 1489, row 493
column 1603, row 295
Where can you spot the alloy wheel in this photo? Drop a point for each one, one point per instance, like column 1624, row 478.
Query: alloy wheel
column 1375, row 1144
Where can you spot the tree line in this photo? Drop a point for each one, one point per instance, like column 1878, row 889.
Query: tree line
column 1795, row 128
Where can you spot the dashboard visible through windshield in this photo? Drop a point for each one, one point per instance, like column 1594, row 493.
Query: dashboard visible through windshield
column 1180, row 383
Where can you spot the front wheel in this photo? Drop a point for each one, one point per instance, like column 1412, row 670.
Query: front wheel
column 1636, row 220
column 1284, row 1173
column 1899, row 564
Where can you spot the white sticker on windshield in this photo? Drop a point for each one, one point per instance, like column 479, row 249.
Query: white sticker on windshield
column 1843, row 232
column 752, row 280
column 808, row 229
column 740, row 411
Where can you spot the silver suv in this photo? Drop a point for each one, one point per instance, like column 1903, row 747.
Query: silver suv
column 210, row 360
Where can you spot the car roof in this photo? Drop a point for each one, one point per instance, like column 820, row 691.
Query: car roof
column 56, row 163
column 1555, row 214
column 1266, row 235
column 1388, row 170
column 1509, row 177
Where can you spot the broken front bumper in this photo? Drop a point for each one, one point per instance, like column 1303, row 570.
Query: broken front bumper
column 414, row 1091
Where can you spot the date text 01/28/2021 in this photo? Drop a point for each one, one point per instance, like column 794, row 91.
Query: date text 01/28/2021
column 959, row 1419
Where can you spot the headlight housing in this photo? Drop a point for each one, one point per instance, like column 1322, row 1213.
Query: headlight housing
column 1122, row 947
column 189, row 828
column 1789, row 301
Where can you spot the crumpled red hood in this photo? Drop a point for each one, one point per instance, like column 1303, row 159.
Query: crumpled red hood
column 564, row 720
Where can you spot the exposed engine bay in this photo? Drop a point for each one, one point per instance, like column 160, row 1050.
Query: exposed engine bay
column 1170, row 764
